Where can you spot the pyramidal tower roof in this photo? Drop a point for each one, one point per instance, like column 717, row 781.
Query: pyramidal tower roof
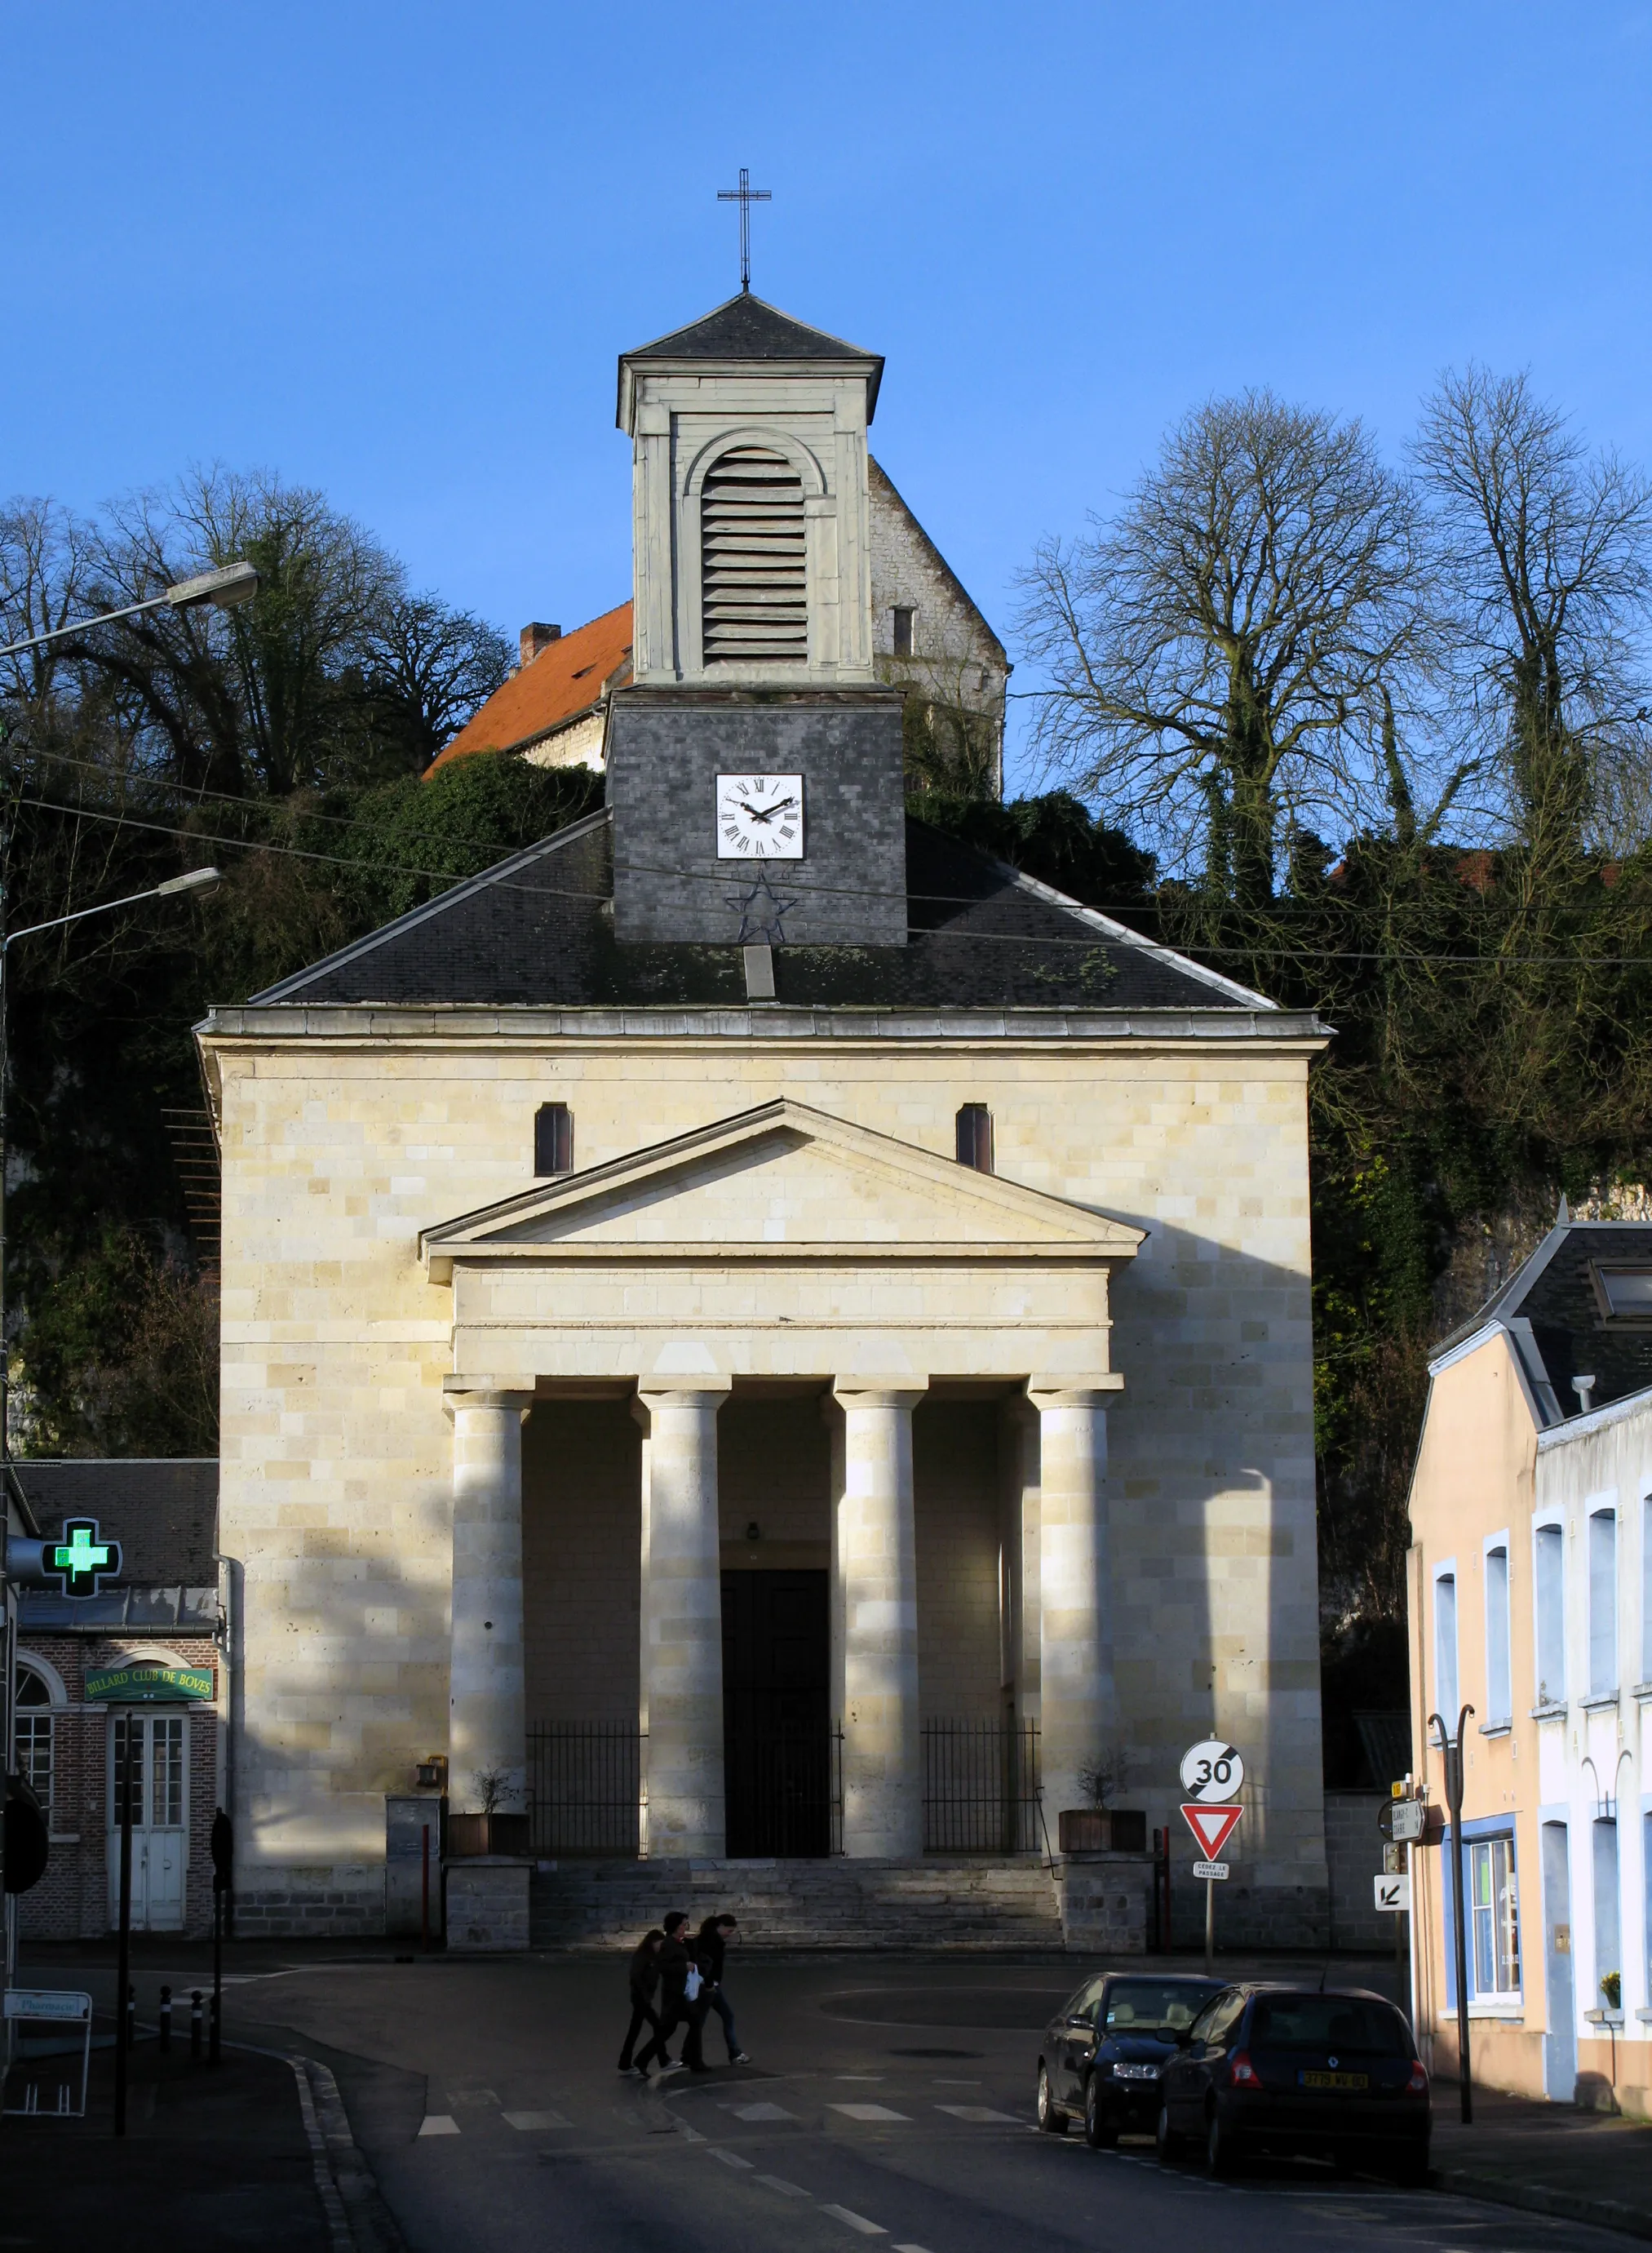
column 750, row 328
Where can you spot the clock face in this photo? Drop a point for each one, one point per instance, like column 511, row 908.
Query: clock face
column 759, row 817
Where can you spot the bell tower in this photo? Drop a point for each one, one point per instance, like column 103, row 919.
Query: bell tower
column 754, row 762
column 752, row 524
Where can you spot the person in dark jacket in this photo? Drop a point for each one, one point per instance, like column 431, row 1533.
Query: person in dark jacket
column 711, row 1943
column 645, row 1986
column 675, row 2008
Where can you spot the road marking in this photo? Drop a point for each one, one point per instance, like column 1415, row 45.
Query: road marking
column 855, row 2220
column 858, row 2076
column 471, row 2096
column 728, row 2158
column 940, row 2081
column 911, row 2249
column 786, row 2189
column 689, row 2135
column 531, row 2123
column 869, row 2112
column 438, row 2123
column 977, row 2112
column 759, row 2111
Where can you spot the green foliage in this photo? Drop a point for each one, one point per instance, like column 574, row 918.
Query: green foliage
column 1055, row 838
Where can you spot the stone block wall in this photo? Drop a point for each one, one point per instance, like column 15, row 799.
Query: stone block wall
column 1354, row 1857
column 1106, row 1904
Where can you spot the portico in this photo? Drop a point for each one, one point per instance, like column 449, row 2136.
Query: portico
column 894, row 1272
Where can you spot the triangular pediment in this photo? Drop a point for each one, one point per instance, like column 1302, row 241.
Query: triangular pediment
column 782, row 1182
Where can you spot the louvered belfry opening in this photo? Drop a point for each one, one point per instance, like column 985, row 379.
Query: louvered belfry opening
column 754, row 591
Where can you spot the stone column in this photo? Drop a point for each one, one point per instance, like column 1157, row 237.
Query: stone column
column 487, row 1724
column 1077, row 1712
column 683, row 1618
column 876, row 1558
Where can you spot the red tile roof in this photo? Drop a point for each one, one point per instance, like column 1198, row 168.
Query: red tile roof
column 567, row 678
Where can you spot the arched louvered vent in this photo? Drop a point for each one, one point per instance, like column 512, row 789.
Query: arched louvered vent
column 753, row 589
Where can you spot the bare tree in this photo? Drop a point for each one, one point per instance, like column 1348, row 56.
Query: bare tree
column 1218, row 653
column 427, row 669
column 1547, row 554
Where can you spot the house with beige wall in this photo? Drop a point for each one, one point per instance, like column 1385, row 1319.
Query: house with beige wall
column 1531, row 1605
column 750, row 1306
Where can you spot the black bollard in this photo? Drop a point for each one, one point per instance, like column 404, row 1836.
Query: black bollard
column 195, row 2022
column 166, row 2020
column 211, row 2039
column 132, row 2014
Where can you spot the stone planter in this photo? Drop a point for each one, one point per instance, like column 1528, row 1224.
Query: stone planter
column 1102, row 1830
column 471, row 1835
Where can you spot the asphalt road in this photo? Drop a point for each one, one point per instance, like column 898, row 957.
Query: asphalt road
column 885, row 2100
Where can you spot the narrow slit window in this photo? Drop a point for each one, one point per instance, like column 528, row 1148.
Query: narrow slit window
column 904, row 632
column 1445, row 1651
column 552, row 1139
column 1603, row 1603
column 1499, row 1688
column 1551, row 1615
column 975, row 1137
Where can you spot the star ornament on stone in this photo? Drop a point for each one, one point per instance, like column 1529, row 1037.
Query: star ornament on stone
column 761, row 911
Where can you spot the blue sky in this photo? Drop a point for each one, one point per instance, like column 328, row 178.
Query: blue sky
column 393, row 250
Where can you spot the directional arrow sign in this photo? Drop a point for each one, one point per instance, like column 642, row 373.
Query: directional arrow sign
column 1211, row 1826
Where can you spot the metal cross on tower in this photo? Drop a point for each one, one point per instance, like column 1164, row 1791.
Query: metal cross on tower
column 745, row 195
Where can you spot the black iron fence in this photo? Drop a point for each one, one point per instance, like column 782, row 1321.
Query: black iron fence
column 980, row 1787
column 584, row 1783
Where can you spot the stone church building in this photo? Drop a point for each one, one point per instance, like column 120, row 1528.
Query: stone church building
column 749, row 1316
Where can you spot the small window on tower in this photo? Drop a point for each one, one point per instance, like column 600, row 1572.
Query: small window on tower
column 904, row 632
column 975, row 1137
column 552, row 1139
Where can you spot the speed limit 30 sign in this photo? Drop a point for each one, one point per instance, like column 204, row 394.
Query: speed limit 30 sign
column 1212, row 1771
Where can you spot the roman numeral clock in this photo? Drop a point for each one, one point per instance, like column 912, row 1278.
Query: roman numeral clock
column 759, row 817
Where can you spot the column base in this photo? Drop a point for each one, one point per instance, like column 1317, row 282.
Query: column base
column 487, row 1903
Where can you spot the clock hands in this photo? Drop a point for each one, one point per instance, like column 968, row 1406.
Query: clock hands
column 766, row 812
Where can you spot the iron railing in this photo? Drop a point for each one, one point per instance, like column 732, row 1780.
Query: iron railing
column 980, row 1787
column 584, row 1788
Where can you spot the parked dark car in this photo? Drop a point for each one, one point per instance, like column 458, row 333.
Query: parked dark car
column 1327, row 2074
column 1102, row 2053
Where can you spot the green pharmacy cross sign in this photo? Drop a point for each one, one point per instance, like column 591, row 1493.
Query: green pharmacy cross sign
column 84, row 1559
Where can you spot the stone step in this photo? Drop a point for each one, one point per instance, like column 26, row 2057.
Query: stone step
column 980, row 1903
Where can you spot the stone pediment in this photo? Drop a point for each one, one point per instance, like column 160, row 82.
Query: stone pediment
column 779, row 1184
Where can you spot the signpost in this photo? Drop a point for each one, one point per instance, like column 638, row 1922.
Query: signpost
column 1393, row 1892
column 1450, row 1752
column 1212, row 1772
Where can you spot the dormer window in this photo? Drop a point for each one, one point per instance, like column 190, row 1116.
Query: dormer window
column 753, row 576
column 552, row 1139
column 1624, row 1294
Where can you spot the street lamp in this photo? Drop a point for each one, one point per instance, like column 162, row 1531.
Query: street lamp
column 226, row 589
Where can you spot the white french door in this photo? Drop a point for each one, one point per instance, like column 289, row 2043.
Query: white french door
column 160, row 1819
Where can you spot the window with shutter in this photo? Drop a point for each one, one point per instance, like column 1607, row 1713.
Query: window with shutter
column 753, row 583
column 552, row 1139
column 975, row 1144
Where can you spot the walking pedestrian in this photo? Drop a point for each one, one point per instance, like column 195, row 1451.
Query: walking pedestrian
column 711, row 1943
column 645, row 1986
column 678, row 1972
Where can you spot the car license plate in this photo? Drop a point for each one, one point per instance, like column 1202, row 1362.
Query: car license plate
column 1312, row 2080
column 1135, row 2073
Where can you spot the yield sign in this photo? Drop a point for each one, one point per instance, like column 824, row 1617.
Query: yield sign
column 1211, row 1826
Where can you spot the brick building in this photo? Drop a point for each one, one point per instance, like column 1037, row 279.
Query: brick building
column 155, row 1632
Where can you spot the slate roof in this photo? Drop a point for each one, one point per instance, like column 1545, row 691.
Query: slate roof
column 569, row 676
column 750, row 328
column 1553, row 1314
column 164, row 1515
column 537, row 930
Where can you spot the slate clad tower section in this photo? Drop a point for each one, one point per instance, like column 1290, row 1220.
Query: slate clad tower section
column 666, row 749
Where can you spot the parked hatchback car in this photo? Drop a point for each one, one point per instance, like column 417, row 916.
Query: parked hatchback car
column 1103, row 2052
column 1298, row 2070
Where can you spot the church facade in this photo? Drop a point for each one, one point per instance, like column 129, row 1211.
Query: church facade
column 755, row 1288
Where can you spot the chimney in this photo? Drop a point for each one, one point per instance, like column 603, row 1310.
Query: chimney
column 533, row 638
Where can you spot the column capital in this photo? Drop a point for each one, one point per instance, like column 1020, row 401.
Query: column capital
column 691, row 1389
column 904, row 1390
column 1093, row 1391
column 485, row 1393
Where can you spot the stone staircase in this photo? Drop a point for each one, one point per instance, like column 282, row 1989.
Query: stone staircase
column 980, row 1903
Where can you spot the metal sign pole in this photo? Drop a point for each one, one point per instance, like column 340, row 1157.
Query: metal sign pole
column 1209, row 1927
column 123, row 1974
column 1451, row 1750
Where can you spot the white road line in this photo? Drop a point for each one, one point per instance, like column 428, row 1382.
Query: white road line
column 438, row 2123
column 911, row 2249
column 855, row 2220
column 729, row 2159
column 786, row 2189
column 977, row 2112
column 759, row 2111
column 531, row 2124
column 689, row 2135
column 869, row 2112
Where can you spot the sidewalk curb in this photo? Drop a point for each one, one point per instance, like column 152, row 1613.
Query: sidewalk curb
column 358, row 2219
column 1537, row 2198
